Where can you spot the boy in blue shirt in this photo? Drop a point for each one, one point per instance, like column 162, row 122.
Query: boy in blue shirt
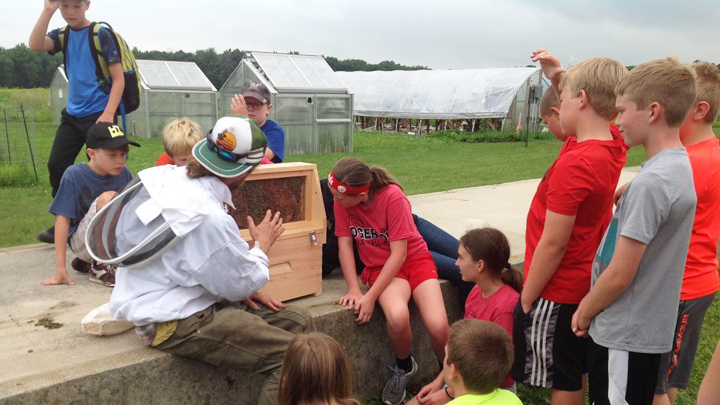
column 87, row 104
column 254, row 102
column 85, row 188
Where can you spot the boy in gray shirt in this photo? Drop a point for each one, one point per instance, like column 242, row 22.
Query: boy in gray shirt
column 637, row 271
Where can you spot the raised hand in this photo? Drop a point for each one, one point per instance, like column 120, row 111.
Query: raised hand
column 267, row 231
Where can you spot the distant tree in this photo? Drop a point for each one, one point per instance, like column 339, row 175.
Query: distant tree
column 353, row 65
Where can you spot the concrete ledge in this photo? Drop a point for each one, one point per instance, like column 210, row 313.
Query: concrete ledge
column 54, row 362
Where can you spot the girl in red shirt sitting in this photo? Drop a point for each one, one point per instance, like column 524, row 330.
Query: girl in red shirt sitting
column 371, row 208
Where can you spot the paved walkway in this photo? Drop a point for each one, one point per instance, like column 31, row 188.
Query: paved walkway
column 40, row 326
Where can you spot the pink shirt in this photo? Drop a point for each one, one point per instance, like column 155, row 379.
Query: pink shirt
column 497, row 308
column 387, row 219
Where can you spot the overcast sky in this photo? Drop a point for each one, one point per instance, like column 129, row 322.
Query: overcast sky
column 449, row 34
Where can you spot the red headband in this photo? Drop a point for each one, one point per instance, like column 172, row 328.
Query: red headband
column 344, row 188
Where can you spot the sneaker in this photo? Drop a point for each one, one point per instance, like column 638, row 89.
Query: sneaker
column 79, row 265
column 394, row 392
column 102, row 273
column 47, row 236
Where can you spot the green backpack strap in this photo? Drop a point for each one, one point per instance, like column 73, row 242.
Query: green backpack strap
column 102, row 71
column 63, row 38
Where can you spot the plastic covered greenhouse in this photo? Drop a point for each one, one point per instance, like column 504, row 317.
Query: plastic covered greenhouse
column 444, row 94
column 169, row 90
column 310, row 102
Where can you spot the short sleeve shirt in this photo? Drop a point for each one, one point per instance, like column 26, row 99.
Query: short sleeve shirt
column 79, row 187
column 388, row 218
column 580, row 183
column 657, row 209
column 497, row 308
column 276, row 139
column 84, row 94
column 497, row 397
column 701, row 270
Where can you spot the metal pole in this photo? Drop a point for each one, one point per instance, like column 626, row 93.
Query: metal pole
column 7, row 136
column 27, row 135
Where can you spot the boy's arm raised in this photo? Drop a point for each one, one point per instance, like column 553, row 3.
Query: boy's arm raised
column 611, row 283
column 39, row 41
column 548, row 254
column 551, row 67
column 116, row 91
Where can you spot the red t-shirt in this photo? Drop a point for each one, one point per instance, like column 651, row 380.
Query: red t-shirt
column 497, row 308
column 164, row 159
column 582, row 183
column 701, row 269
column 387, row 219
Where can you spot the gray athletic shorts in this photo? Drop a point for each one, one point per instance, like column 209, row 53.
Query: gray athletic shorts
column 77, row 239
column 676, row 366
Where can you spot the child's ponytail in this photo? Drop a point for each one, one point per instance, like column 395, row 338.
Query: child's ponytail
column 381, row 178
column 354, row 172
column 512, row 277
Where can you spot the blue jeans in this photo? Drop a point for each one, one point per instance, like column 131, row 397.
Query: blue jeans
column 444, row 250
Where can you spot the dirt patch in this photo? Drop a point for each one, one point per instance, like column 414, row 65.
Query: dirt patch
column 48, row 323
column 64, row 304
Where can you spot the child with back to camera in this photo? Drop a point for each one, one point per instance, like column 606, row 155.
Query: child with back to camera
column 483, row 258
column 478, row 356
column 179, row 136
column 371, row 208
column 316, row 371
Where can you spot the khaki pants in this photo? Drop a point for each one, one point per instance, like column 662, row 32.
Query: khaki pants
column 241, row 338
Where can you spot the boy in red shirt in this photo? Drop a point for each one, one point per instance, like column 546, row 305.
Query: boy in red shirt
column 700, row 280
column 567, row 219
column 179, row 136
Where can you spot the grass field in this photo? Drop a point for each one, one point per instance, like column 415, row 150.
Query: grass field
column 421, row 164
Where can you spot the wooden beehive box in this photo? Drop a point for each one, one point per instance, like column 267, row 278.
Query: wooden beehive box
column 296, row 257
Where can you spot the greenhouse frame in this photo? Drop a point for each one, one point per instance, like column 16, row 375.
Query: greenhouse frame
column 465, row 94
column 170, row 90
column 310, row 102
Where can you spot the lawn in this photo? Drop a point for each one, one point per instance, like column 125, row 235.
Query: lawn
column 421, row 164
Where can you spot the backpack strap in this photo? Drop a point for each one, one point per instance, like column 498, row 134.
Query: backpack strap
column 63, row 38
column 102, row 72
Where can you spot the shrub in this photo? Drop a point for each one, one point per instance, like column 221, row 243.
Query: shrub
column 488, row 136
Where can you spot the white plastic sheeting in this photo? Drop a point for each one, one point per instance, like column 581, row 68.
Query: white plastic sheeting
column 436, row 94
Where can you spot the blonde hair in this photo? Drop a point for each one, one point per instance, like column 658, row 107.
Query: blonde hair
column 548, row 101
column 482, row 352
column 665, row 81
column 354, row 172
column 598, row 77
column 707, row 86
column 315, row 371
column 180, row 135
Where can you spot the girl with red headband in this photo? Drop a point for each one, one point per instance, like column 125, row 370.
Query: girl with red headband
column 371, row 208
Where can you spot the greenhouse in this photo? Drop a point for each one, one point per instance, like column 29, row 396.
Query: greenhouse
column 466, row 94
column 58, row 94
column 309, row 101
column 169, row 90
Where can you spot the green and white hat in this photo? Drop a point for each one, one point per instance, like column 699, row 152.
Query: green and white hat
column 232, row 147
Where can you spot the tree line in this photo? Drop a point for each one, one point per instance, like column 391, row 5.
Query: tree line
column 22, row 68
